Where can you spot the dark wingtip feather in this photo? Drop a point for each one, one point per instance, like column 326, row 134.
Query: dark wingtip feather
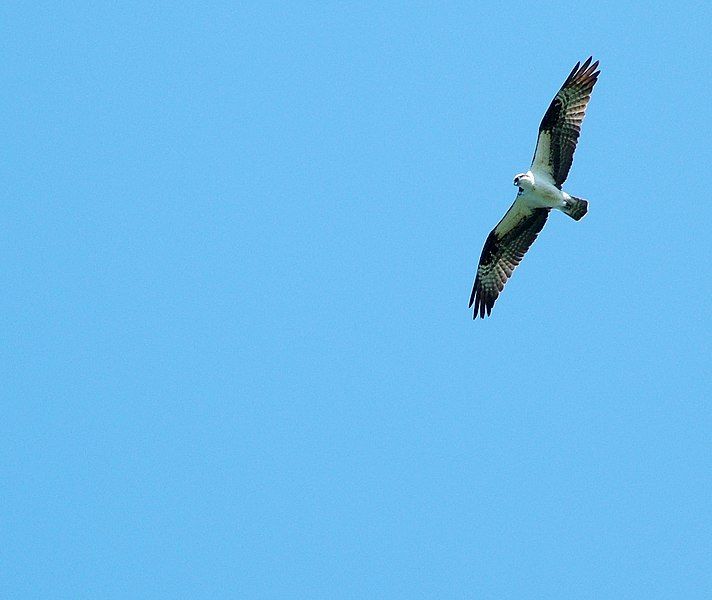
column 483, row 304
column 588, row 73
column 572, row 74
column 582, row 73
column 476, row 302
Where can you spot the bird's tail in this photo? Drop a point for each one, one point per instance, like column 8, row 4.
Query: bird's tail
column 576, row 208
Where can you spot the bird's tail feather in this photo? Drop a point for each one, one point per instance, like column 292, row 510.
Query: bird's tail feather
column 576, row 208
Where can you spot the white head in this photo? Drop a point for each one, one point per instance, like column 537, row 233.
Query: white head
column 524, row 180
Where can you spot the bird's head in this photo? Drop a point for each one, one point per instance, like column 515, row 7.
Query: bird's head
column 524, row 180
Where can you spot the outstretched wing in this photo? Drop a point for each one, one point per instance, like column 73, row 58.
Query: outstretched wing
column 560, row 128
column 504, row 249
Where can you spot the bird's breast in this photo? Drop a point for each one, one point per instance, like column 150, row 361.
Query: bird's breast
column 543, row 196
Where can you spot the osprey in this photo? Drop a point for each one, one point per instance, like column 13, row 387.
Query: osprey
column 539, row 189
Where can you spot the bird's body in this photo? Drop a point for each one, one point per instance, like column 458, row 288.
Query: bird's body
column 539, row 192
column 539, row 189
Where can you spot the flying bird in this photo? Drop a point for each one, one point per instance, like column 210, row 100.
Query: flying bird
column 539, row 189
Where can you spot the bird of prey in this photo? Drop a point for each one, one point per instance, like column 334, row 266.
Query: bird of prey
column 539, row 189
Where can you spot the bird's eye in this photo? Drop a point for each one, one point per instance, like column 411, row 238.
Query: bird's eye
column 516, row 181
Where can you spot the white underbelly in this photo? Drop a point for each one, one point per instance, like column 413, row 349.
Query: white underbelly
column 545, row 197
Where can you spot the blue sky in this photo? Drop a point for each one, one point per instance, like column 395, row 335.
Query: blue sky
column 238, row 242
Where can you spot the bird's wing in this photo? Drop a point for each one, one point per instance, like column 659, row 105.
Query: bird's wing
column 504, row 249
column 560, row 128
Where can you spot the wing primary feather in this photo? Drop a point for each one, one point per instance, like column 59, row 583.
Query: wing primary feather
column 571, row 75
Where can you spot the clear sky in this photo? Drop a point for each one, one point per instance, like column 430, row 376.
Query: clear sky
column 238, row 241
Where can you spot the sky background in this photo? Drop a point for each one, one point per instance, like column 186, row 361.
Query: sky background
column 238, row 241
